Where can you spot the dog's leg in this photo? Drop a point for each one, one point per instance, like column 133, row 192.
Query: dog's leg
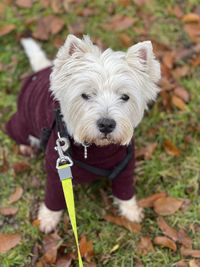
column 36, row 55
column 130, row 209
column 48, row 218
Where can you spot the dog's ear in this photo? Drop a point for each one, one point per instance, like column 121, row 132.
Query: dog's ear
column 74, row 44
column 141, row 57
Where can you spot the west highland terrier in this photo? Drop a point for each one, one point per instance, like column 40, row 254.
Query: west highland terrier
column 102, row 96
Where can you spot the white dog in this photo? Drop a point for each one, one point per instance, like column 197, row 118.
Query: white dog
column 102, row 97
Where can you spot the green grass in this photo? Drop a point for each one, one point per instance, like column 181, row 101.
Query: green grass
column 178, row 176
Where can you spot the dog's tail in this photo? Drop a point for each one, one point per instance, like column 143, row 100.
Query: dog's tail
column 36, row 55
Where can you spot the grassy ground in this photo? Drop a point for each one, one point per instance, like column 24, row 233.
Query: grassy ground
column 180, row 177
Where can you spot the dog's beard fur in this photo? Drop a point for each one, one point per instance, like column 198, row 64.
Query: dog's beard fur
column 81, row 68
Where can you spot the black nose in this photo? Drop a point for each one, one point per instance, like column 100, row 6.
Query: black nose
column 106, row 125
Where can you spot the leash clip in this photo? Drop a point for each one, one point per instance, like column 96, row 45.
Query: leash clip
column 61, row 146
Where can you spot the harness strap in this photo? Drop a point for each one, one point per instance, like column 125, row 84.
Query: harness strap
column 111, row 174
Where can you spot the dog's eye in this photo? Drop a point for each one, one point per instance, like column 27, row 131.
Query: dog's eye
column 85, row 96
column 124, row 97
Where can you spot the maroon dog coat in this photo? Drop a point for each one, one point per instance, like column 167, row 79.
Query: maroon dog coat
column 35, row 112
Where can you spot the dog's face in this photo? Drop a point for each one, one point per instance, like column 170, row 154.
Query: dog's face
column 103, row 95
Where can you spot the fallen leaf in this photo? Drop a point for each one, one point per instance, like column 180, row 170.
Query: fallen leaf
column 185, row 252
column 166, row 229
column 148, row 201
column 16, row 195
column 56, row 6
column 167, row 205
column 193, row 31
column 6, row 29
column 90, row 265
column 146, row 152
column 182, row 93
column 77, row 28
column 86, row 248
column 9, row 241
column 125, row 39
column 190, row 18
column 145, row 245
column 181, row 72
column 168, row 59
column 181, row 263
column 193, row 263
column 116, row 247
column 176, row 10
column 184, row 239
column 8, row 211
column 196, row 61
column 24, row 3
column 179, row 103
column 141, row 2
column 119, row 22
column 164, row 241
column 20, row 167
column 171, row 149
column 122, row 221
column 56, row 25
column 64, row 261
column 36, row 223
column 2, row 8
column 51, row 245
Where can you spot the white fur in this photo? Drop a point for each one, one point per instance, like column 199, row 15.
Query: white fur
column 81, row 67
column 48, row 218
column 35, row 54
column 130, row 209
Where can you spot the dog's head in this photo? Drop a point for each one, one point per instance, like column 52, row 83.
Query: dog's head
column 103, row 95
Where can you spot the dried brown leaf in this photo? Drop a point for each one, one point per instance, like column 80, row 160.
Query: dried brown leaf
column 193, row 263
column 167, row 205
column 125, row 39
column 148, row 201
column 182, row 93
column 122, row 221
column 190, row 18
column 184, row 239
column 180, row 72
column 185, row 252
column 56, row 25
column 6, row 29
column 179, row 103
column 64, row 261
column 77, row 28
column 8, row 211
column 181, row 263
column 145, row 245
column 141, row 2
column 193, row 30
column 168, row 59
column 24, row 3
column 171, row 149
column 51, row 245
column 146, row 152
column 119, row 22
column 20, row 167
column 164, row 241
column 36, row 223
column 56, row 6
column 86, row 248
column 16, row 195
column 8, row 241
column 166, row 229
column 196, row 61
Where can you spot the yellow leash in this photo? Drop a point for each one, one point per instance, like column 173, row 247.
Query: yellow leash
column 63, row 166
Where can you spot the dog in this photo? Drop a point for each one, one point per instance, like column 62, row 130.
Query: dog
column 102, row 96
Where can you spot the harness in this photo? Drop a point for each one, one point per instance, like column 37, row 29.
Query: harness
column 62, row 129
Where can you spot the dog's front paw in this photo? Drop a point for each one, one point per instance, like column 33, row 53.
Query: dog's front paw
column 130, row 209
column 48, row 218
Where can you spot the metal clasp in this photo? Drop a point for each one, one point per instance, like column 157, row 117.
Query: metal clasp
column 61, row 146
